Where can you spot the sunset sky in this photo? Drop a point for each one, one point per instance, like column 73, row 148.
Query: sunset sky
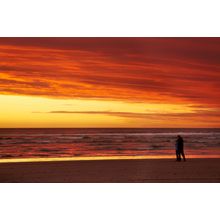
column 110, row 82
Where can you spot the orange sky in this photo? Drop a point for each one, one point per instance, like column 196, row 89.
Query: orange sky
column 109, row 82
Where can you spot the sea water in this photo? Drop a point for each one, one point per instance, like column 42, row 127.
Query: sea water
column 86, row 142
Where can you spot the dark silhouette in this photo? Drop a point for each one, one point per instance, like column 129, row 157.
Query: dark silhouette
column 179, row 148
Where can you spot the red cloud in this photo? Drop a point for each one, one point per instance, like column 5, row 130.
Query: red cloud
column 167, row 70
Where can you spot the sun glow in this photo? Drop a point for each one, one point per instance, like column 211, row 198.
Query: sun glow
column 26, row 111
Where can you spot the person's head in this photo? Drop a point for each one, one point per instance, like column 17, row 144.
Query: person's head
column 178, row 136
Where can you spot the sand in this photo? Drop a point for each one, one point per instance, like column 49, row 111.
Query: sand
column 113, row 171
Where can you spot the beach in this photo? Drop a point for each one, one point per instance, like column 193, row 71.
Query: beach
column 109, row 155
column 195, row 170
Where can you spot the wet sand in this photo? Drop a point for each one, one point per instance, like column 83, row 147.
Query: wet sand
column 113, row 171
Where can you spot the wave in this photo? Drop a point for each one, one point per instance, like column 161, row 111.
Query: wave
column 93, row 142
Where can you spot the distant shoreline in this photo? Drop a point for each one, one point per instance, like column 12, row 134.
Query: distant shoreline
column 100, row 158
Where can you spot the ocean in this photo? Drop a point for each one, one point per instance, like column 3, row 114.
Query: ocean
column 77, row 142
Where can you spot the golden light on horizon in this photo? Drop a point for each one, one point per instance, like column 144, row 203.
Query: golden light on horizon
column 27, row 111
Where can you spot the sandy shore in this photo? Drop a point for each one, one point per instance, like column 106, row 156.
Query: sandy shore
column 113, row 171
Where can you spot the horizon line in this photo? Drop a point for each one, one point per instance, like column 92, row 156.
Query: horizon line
column 110, row 128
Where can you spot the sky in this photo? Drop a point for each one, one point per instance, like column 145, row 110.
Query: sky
column 110, row 82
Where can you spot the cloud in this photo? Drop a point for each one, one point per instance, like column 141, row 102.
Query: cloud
column 213, row 115
column 165, row 70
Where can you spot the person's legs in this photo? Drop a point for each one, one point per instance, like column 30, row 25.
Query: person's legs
column 178, row 158
column 183, row 155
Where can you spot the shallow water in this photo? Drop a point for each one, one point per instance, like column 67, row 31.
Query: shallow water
column 35, row 143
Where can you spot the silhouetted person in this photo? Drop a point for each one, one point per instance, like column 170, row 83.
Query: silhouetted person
column 179, row 148
column 177, row 151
